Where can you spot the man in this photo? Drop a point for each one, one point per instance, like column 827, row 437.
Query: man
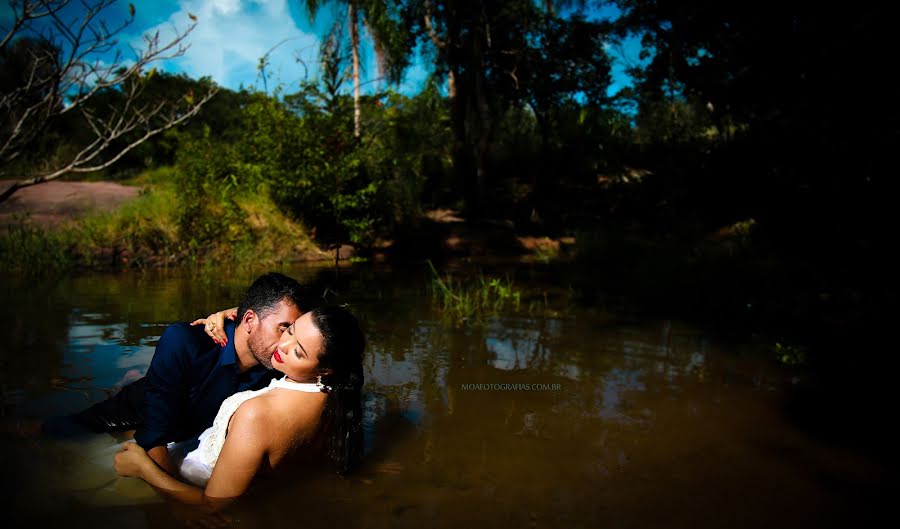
column 190, row 375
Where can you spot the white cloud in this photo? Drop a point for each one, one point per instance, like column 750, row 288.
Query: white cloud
column 232, row 35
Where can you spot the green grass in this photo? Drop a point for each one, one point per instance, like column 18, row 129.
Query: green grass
column 140, row 232
column 25, row 247
column 473, row 302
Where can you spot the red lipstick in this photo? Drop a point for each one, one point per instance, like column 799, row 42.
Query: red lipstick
column 277, row 357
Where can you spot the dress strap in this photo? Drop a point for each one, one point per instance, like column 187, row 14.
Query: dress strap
column 285, row 383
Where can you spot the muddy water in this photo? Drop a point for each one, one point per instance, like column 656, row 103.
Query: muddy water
column 556, row 414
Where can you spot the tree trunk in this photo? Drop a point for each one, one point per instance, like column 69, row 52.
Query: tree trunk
column 8, row 192
column 354, row 44
column 485, row 129
column 451, row 84
column 461, row 154
column 458, row 91
column 539, row 174
column 485, row 132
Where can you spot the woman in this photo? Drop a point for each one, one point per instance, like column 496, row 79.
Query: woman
column 315, row 407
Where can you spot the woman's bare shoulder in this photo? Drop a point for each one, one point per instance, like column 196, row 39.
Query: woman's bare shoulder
column 268, row 413
column 277, row 426
column 252, row 417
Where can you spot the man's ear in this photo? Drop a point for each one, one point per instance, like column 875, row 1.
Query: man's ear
column 249, row 321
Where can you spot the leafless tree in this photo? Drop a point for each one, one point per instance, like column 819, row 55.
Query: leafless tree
column 74, row 55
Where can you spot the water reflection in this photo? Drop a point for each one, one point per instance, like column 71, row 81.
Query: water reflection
column 635, row 423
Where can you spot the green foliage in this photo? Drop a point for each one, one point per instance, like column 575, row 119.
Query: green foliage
column 140, row 233
column 163, row 227
column 409, row 143
column 300, row 149
column 322, row 176
column 205, row 178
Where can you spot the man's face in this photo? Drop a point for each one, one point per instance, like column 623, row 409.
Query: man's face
column 264, row 337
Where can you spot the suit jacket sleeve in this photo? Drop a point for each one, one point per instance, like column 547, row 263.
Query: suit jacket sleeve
column 166, row 388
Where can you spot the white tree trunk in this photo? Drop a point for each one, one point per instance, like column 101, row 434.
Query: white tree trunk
column 354, row 44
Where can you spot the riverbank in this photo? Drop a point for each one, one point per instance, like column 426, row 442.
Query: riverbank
column 139, row 223
column 61, row 226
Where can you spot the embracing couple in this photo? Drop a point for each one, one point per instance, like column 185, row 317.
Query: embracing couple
column 240, row 393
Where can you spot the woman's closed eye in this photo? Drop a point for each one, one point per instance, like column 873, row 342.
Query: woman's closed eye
column 299, row 347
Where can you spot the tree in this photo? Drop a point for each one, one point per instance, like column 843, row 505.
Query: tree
column 53, row 64
column 386, row 34
column 564, row 65
column 500, row 55
column 476, row 45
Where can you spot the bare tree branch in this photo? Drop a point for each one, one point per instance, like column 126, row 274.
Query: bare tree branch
column 430, row 26
column 27, row 14
column 65, row 70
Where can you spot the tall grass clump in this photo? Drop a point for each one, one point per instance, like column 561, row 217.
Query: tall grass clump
column 473, row 302
column 28, row 248
column 140, row 233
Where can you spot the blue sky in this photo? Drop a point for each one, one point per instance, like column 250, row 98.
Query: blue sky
column 232, row 35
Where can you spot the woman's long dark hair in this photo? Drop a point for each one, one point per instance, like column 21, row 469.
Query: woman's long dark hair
column 342, row 353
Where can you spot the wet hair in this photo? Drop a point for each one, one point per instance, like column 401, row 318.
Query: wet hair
column 268, row 290
column 343, row 344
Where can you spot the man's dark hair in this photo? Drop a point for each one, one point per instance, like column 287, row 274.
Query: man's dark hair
column 268, row 290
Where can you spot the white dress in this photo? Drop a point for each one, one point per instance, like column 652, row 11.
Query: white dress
column 196, row 466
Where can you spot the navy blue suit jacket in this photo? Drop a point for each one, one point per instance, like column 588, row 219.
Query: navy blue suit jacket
column 189, row 377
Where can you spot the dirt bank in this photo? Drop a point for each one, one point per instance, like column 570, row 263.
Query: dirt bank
column 55, row 202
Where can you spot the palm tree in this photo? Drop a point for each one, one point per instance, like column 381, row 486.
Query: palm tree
column 386, row 35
